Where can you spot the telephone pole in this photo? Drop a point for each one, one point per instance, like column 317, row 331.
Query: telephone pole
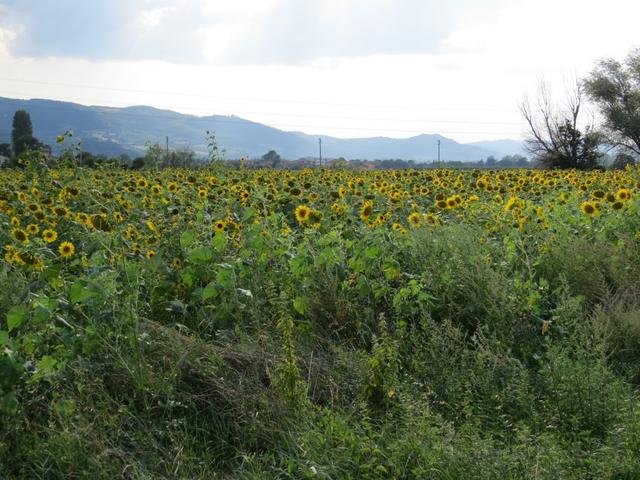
column 320, row 150
column 438, row 153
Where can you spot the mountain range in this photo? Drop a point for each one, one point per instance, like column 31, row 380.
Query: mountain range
column 114, row 131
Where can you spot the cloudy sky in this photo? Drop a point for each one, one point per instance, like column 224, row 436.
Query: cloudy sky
column 348, row 68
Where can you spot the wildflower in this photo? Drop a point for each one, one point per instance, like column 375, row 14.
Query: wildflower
column 366, row 210
column 302, row 213
column 20, row 235
column 49, row 235
column 588, row 208
column 219, row 226
column 414, row 219
column 66, row 249
column 624, row 194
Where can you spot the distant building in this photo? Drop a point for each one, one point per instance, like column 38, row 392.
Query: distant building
column 3, row 160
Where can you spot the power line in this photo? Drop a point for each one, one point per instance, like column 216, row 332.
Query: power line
column 284, row 125
column 219, row 97
column 302, row 115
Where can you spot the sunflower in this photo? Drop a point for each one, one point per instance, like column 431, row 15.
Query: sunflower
column 588, row 208
column 61, row 211
column 624, row 194
column 315, row 217
column 66, row 249
column 219, row 226
column 414, row 219
column 302, row 213
column 49, row 235
column 150, row 254
column 20, row 235
column 431, row 219
column 33, row 229
column 100, row 222
column 366, row 210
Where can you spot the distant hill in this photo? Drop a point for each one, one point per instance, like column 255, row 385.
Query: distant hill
column 113, row 131
column 503, row 147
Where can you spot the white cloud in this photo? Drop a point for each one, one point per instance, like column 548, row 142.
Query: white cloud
column 6, row 37
column 153, row 18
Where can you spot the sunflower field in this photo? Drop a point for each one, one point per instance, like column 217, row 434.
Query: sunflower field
column 256, row 323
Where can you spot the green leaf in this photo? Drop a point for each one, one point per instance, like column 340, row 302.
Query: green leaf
column 4, row 338
column 200, row 255
column 225, row 277
column 10, row 372
column 41, row 315
column 372, row 252
column 249, row 214
column 210, row 291
column 52, row 272
column 43, row 307
column 187, row 238
column 80, row 292
column 47, row 365
column 219, row 242
column 187, row 277
column 16, row 316
column 300, row 305
column 9, row 403
column 64, row 408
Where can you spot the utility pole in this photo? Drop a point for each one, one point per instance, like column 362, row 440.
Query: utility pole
column 320, row 150
column 438, row 153
column 167, row 138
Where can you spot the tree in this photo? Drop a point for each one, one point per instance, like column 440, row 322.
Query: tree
column 5, row 150
column 155, row 155
column 512, row 161
column 137, row 163
column 555, row 140
column 271, row 158
column 22, row 137
column 621, row 160
column 615, row 88
column 182, row 157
